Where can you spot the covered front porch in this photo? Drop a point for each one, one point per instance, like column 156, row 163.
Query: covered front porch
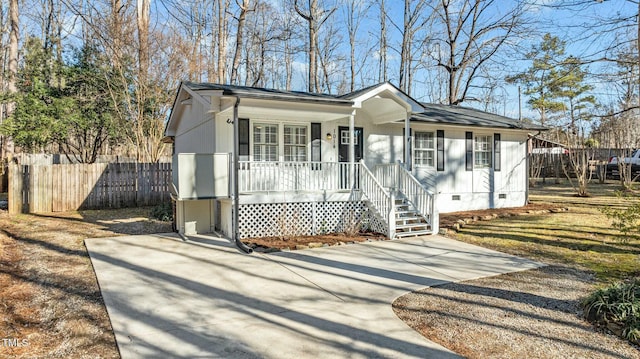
column 307, row 198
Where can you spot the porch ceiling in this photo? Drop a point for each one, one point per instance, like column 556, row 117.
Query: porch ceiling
column 278, row 110
column 384, row 110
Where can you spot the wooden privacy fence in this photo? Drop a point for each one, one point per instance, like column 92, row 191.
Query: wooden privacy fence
column 57, row 188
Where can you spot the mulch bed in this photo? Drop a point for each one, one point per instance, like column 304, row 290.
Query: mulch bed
column 286, row 243
column 448, row 221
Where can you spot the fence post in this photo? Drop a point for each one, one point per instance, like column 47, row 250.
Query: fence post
column 16, row 186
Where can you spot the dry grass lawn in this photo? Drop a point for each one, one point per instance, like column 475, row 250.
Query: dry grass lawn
column 49, row 297
column 50, row 301
column 535, row 313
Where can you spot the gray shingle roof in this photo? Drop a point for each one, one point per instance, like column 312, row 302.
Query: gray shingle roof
column 433, row 113
column 268, row 94
column 464, row 116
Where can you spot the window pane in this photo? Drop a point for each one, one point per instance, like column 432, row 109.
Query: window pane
column 265, row 142
column 295, row 143
column 424, row 149
column 424, row 140
column 482, row 151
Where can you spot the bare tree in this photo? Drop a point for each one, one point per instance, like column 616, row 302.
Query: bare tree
column 14, row 35
column 222, row 7
column 244, row 8
column 143, row 18
column 332, row 77
column 355, row 12
column 315, row 18
column 474, row 31
column 382, row 50
column 6, row 145
column 267, row 29
column 414, row 21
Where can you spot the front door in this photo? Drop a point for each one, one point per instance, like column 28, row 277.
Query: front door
column 343, row 147
column 343, row 155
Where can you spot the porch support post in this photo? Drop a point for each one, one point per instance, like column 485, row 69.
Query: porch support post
column 407, row 142
column 352, row 149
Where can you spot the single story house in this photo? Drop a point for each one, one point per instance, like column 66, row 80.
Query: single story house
column 251, row 162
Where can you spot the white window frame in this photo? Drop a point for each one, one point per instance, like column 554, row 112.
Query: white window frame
column 264, row 144
column 482, row 151
column 345, row 138
column 297, row 142
column 280, row 125
column 424, row 161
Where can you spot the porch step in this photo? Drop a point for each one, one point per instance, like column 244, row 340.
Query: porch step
column 406, row 211
column 412, row 233
column 409, row 222
column 411, row 226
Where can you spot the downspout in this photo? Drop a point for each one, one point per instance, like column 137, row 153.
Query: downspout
column 236, row 198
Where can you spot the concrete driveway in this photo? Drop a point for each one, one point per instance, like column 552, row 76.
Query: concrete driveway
column 202, row 298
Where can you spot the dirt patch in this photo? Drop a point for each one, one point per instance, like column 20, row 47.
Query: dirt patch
column 274, row 244
column 531, row 314
column 51, row 305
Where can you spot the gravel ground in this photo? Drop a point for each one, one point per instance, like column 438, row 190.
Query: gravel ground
column 531, row 314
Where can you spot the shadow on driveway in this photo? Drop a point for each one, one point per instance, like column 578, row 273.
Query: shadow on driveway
column 202, row 298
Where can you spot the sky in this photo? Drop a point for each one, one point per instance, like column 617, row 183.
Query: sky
column 581, row 26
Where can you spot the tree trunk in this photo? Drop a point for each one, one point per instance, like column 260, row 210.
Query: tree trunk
column 115, row 27
column 382, row 74
column 312, row 27
column 406, row 41
column 14, row 34
column 143, row 7
column 223, row 7
column 239, row 38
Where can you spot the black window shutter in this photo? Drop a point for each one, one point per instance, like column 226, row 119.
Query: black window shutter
column 316, row 140
column 406, row 144
column 469, row 152
column 243, row 127
column 440, row 150
column 496, row 151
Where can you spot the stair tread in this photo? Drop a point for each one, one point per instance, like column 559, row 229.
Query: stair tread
column 408, row 234
column 412, row 225
column 412, row 218
column 414, row 214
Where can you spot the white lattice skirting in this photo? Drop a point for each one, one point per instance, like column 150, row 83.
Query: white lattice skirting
column 306, row 218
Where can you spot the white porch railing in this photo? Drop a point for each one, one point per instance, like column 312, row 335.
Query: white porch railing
column 379, row 189
column 395, row 177
column 381, row 200
column 421, row 199
column 387, row 174
column 256, row 176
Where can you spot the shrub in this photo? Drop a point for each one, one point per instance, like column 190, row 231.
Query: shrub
column 617, row 308
column 626, row 220
column 163, row 212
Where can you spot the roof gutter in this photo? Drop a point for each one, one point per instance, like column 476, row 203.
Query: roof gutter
column 236, row 198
